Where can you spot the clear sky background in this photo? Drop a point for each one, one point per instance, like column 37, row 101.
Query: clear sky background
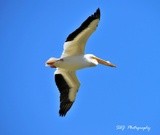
column 128, row 35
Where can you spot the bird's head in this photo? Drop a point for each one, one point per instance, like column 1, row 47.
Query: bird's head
column 96, row 60
column 50, row 62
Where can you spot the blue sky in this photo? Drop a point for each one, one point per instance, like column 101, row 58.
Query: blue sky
column 128, row 35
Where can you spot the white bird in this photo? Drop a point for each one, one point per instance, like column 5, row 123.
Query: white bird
column 72, row 59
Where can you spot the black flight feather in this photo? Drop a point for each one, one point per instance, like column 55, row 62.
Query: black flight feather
column 65, row 103
column 84, row 25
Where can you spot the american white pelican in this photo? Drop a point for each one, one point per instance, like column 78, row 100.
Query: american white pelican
column 72, row 59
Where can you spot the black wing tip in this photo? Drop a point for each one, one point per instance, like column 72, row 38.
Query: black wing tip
column 98, row 9
column 97, row 14
column 94, row 16
column 65, row 103
column 64, row 108
column 62, row 114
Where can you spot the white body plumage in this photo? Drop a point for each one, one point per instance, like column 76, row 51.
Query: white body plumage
column 74, row 63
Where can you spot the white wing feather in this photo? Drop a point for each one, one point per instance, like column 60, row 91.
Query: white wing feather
column 77, row 46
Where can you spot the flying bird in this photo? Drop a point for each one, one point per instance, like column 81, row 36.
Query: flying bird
column 73, row 59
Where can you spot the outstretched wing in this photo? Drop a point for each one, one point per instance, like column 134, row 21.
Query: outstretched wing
column 75, row 42
column 68, row 85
